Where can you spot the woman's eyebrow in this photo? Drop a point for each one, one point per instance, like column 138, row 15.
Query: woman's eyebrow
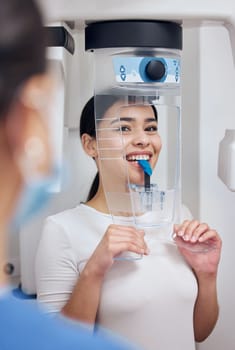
column 123, row 119
column 149, row 120
column 129, row 119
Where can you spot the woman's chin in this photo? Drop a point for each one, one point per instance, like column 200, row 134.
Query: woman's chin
column 136, row 181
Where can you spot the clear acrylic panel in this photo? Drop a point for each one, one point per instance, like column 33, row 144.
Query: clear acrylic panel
column 131, row 129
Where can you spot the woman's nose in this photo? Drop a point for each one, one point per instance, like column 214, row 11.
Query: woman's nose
column 141, row 139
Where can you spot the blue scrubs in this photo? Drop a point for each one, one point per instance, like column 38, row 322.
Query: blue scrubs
column 24, row 327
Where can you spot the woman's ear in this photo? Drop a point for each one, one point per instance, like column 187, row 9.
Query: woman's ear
column 89, row 145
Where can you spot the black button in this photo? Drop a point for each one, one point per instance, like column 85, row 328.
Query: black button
column 155, row 70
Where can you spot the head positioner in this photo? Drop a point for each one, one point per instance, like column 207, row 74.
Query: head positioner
column 140, row 70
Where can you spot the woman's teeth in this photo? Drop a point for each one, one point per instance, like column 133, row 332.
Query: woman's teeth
column 138, row 157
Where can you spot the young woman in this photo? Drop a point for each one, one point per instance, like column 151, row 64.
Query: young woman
column 166, row 300
column 26, row 164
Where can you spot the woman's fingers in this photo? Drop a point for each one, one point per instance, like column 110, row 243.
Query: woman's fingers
column 130, row 241
column 213, row 236
column 126, row 238
column 121, row 247
column 198, row 232
column 186, row 229
column 116, row 240
column 194, row 231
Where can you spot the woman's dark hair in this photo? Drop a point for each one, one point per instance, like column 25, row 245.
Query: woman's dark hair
column 87, row 123
column 96, row 105
column 22, row 47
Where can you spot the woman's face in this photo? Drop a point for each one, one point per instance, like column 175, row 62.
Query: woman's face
column 128, row 134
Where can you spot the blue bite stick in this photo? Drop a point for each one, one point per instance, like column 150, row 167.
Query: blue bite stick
column 147, row 172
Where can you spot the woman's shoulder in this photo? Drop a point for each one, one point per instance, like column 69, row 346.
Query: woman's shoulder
column 79, row 217
column 63, row 216
column 76, row 213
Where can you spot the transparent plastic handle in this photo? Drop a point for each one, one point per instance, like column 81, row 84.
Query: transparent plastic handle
column 197, row 247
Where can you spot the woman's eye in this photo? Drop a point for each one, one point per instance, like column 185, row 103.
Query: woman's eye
column 152, row 128
column 124, row 128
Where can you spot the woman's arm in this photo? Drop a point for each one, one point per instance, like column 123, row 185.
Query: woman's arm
column 205, row 267
column 58, row 283
column 56, row 267
column 206, row 310
column 84, row 301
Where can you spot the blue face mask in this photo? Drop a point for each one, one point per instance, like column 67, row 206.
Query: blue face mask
column 34, row 196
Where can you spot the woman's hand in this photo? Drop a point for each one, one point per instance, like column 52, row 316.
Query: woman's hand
column 116, row 240
column 191, row 233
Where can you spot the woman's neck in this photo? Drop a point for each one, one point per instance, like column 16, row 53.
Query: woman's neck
column 98, row 202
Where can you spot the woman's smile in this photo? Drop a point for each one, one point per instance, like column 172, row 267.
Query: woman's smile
column 133, row 158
